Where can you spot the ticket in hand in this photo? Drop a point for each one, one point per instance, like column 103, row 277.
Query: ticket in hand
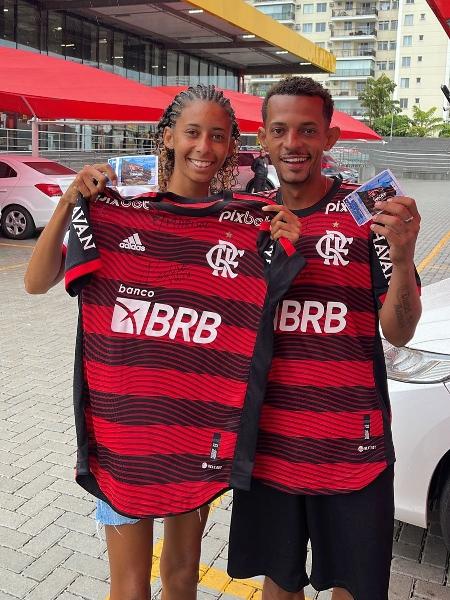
column 361, row 202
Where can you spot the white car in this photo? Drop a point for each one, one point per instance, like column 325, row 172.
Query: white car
column 419, row 388
column 30, row 188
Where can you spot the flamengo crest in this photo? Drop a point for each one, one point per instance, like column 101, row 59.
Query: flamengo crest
column 331, row 247
column 222, row 259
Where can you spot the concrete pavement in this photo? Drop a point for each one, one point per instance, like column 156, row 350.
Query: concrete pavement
column 48, row 543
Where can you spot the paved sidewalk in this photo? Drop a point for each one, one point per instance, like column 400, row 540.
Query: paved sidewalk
column 48, row 543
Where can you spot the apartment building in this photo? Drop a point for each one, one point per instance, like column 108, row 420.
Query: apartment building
column 400, row 38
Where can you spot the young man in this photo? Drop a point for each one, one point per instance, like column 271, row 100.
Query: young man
column 324, row 464
column 260, row 169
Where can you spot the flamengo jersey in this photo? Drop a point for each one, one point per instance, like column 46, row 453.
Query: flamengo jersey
column 325, row 422
column 175, row 340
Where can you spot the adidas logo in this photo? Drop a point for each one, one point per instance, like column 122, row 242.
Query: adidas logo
column 132, row 243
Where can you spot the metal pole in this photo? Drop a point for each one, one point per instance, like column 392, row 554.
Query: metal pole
column 392, row 125
column 34, row 137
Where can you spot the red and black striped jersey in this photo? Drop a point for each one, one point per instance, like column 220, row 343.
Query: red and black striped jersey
column 175, row 339
column 325, row 422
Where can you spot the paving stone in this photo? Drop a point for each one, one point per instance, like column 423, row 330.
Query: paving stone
column 435, row 552
column 83, row 543
column 10, row 501
column 32, row 489
column 75, row 505
column 87, row 565
column 44, row 540
column 53, row 585
column 411, row 534
column 12, row 539
column 37, row 503
column 14, row 561
column 91, row 589
column 404, row 566
column 40, row 521
column 400, row 587
column 47, row 563
column 78, row 523
column 403, row 550
column 425, row 589
column 15, row 585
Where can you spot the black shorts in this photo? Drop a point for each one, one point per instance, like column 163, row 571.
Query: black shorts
column 350, row 534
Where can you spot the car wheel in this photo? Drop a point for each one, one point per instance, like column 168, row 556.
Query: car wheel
column 17, row 223
column 444, row 512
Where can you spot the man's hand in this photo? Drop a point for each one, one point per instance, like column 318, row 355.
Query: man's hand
column 89, row 182
column 399, row 223
column 284, row 223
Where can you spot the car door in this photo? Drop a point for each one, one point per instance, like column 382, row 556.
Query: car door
column 8, row 181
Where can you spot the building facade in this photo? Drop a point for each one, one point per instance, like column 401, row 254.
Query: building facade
column 400, row 38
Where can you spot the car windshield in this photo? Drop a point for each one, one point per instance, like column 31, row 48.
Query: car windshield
column 49, row 168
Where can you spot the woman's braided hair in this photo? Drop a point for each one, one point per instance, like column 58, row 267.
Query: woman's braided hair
column 226, row 177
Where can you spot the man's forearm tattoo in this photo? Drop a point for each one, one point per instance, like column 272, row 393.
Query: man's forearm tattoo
column 403, row 309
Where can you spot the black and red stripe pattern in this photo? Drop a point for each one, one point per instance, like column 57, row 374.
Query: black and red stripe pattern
column 177, row 308
column 325, row 422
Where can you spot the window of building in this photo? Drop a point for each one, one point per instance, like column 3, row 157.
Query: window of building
column 394, row 25
column 321, row 7
column 422, row 16
column 320, row 44
column 383, row 45
column 28, row 25
column 407, row 40
column 118, row 53
column 348, row 26
column 418, row 79
column 417, row 100
column 385, row 5
column 409, row 1
column 421, row 38
column 308, row 9
column 409, row 20
column 393, row 45
column 403, row 102
column 406, row 61
column 280, row 12
column 404, row 82
column 307, row 27
column 7, row 23
column 391, row 65
column 383, row 25
column 55, row 27
column 382, row 65
column 321, row 27
column 419, row 59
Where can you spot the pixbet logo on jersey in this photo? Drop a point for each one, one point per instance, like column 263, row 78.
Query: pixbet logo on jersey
column 242, row 217
column 136, row 317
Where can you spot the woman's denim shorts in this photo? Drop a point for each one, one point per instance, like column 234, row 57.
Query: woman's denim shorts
column 105, row 515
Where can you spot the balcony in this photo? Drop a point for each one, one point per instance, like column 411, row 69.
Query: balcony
column 344, row 93
column 370, row 13
column 353, row 73
column 355, row 53
column 339, row 33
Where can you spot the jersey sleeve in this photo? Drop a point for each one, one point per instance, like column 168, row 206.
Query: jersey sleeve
column 381, row 267
column 82, row 255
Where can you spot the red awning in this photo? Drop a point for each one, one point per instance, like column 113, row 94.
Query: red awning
column 249, row 108
column 53, row 88
column 441, row 9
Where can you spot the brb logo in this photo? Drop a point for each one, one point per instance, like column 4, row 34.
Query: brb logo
column 322, row 318
column 331, row 247
column 246, row 218
column 222, row 259
column 135, row 317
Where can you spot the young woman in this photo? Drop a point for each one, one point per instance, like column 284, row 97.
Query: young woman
column 197, row 143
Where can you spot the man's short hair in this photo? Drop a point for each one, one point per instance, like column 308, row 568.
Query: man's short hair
column 300, row 86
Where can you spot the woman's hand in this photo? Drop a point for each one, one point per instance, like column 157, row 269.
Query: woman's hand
column 89, row 182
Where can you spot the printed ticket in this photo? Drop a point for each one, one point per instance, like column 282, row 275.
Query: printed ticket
column 361, row 202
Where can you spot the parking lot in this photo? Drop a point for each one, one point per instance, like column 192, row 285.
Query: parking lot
column 49, row 547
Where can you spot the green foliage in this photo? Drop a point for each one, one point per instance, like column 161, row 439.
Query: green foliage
column 445, row 131
column 377, row 98
column 424, row 123
column 401, row 125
